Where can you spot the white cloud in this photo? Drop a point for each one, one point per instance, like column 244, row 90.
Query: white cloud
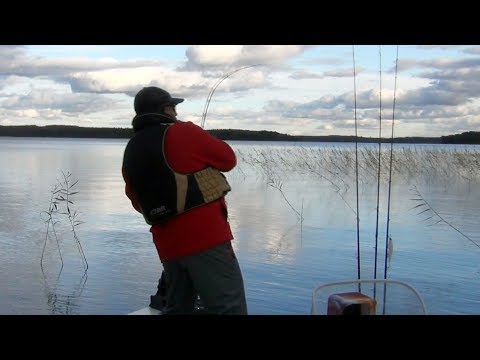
column 296, row 89
column 203, row 56
column 207, row 55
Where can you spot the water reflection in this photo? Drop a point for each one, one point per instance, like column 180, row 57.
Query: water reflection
column 283, row 259
column 63, row 299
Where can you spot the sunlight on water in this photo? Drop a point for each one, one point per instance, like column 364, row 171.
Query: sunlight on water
column 292, row 211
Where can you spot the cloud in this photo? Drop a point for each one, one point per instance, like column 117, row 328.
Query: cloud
column 435, row 84
column 343, row 72
column 65, row 103
column 228, row 57
column 472, row 50
column 302, row 74
column 16, row 61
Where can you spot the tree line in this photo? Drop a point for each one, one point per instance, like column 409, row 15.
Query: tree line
column 470, row 137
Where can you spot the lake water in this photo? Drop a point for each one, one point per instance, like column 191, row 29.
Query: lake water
column 293, row 214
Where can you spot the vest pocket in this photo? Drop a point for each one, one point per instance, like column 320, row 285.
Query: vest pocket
column 212, row 184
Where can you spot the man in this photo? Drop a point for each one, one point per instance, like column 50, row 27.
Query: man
column 173, row 176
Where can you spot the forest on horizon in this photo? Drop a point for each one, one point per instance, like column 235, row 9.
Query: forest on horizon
column 470, row 137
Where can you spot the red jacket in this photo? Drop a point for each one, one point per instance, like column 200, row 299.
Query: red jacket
column 189, row 148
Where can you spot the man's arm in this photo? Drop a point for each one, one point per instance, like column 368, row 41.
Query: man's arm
column 202, row 148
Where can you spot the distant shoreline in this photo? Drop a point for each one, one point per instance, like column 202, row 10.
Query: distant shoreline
column 471, row 137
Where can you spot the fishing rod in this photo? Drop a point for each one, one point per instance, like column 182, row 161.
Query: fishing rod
column 356, row 163
column 388, row 239
column 387, row 235
column 212, row 90
column 379, row 158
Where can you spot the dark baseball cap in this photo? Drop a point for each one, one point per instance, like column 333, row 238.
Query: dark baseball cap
column 152, row 100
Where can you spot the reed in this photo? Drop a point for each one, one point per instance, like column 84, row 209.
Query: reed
column 61, row 206
column 51, row 212
column 277, row 184
column 424, row 207
column 335, row 165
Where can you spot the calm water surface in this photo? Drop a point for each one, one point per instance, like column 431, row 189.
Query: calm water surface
column 282, row 257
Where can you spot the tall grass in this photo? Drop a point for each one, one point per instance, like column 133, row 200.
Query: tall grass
column 335, row 165
column 61, row 206
column 425, row 208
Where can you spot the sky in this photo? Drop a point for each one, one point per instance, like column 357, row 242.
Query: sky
column 293, row 89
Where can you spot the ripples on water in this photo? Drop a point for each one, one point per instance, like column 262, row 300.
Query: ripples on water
column 283, row 259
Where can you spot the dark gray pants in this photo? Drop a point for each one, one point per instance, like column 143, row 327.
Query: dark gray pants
column 214, row 274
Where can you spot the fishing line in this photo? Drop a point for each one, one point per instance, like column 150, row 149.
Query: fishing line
column 356, row 162
column 212, row 90
column 379, row 157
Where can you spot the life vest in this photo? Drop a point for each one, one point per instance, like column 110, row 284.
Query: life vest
column 161, row 192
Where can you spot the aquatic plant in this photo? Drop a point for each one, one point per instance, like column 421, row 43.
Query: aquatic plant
column 424, row 207
column 336, row 164
column 277, row 184
column 61, row 206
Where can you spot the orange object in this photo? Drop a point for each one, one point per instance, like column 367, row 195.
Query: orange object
column 351, row 303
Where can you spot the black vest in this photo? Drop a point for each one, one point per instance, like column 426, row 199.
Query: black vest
column 160, row 191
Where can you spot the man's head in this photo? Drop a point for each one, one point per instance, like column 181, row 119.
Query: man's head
column 154, row 100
